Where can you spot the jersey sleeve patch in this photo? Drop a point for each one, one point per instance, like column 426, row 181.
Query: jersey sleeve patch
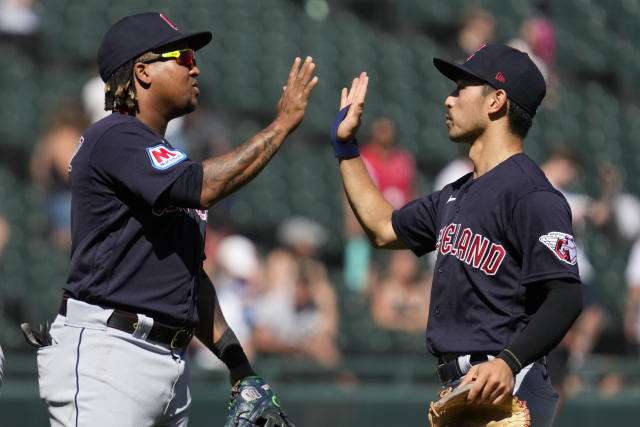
column 163, row 157
column 562, row 245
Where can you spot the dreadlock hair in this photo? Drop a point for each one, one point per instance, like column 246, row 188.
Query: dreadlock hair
column 120, row 90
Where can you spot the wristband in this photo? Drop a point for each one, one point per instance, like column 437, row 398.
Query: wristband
column 343, row 149
column 229, row 350
column 511, row 360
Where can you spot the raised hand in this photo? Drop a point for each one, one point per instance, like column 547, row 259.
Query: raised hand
column 293, row 102
column 354, row 97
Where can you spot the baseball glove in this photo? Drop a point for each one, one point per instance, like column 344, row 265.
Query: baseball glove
column 453, row 410
column 254, row 404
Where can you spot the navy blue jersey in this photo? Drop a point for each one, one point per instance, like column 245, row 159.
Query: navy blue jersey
column 126, row 252
column 494, row 235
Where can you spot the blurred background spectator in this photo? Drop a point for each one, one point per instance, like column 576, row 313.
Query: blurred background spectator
column 297, row 314
column 632, row 308
column 537, row 39
column 400, row 301
column 4, row 238
column 19, row 23
column 477, row 27
column 50, row 167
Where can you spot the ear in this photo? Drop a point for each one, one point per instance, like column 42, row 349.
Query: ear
column 142, row 73
column 497, row 101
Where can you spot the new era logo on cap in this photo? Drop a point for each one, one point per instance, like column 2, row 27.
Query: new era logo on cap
column 500, row 77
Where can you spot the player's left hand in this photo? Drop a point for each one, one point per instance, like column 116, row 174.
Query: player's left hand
column 354, row 97
column 254, row 404
column 493, row 382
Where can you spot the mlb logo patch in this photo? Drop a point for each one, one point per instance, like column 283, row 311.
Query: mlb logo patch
column 562, row 245
column 163, row 157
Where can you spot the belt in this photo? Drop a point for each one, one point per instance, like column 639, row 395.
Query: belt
column 449, row 370
column 128, row 322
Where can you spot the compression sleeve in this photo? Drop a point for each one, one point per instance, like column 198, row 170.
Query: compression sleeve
column 185, row 190
column 548, row 325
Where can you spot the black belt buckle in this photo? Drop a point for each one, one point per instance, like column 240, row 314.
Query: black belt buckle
column 439, row 374
column 175, row 341
column 449, row 371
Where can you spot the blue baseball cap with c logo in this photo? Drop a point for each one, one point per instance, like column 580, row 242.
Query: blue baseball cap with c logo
column 502, row 67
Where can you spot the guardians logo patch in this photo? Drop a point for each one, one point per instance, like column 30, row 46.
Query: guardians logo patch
column 562, row 245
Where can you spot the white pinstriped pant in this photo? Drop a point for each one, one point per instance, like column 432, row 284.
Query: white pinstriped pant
column 93, row 375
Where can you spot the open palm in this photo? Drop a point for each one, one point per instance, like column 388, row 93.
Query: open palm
column 354, row 97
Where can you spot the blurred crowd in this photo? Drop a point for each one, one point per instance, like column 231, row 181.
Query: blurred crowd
column 282, row 297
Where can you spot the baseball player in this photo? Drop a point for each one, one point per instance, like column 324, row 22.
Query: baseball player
column 116, row 354
column 506, row 286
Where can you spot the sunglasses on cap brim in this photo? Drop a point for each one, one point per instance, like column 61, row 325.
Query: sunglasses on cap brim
column 184, row 57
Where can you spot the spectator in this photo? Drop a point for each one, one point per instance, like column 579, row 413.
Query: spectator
column 537, row 39
column 297, row 314
column 632, row 309
column 401, row 301
column 4, row 234
column 455, row 169
column 4, row 238
column 393, row 170
column 50, row 168
column 298, row 317
column 19, row 23
column 477, row 27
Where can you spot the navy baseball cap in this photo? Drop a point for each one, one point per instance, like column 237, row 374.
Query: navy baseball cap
column 502, row 67
column 136, row 34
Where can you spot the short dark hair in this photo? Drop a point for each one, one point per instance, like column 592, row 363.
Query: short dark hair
column 519, row 120
column 120, row 90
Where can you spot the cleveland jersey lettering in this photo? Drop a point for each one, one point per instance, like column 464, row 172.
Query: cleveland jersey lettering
column 471, row 248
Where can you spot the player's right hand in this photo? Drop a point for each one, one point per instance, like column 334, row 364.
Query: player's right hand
column 354, row 96
column 492, row 382
column 293, row 102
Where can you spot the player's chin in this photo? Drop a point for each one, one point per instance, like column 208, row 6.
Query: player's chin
column 190, row 105
column 456, row 135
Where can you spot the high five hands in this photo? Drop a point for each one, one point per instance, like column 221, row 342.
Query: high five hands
column 295, row 95
column 355, row 98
